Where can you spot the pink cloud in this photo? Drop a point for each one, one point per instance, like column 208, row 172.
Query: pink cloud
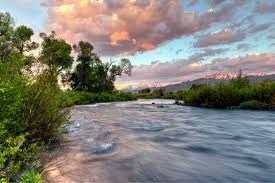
column 119, row 36
column 185, row 69
column 223, row 36
column 126, row 27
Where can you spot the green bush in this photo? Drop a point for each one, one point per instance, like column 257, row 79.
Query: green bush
column 29, row 116
column 251, row 103
column 45, row 120
column 31, row 177
column 231, row 94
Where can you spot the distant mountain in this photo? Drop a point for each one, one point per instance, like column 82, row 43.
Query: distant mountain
column 215, row 79
column 209, row 79
column 221, row 76
column 138, row 87
column 228, row 75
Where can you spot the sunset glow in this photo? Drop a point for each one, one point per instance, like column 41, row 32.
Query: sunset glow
column 187, row 38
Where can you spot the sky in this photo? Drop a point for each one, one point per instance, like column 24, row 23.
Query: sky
column 167, row 41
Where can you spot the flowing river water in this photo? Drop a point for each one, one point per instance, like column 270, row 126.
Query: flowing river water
column 143, row 142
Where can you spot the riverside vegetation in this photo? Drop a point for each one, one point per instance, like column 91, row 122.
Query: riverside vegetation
column 31, row 100
column 238, row 93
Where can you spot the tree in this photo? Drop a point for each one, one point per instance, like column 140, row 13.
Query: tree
column 6, row 31
column 13, row 44
column 82, row 75
column 6, row 24
column 145, row 90
column 92, row 75
column 240, row 81
column 55, row 54
column 22, row 39
column 159, row 92
column 110, row 71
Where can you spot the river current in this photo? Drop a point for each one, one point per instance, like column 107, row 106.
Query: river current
column 143, row 142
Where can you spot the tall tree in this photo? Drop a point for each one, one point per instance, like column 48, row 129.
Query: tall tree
column 93, row 75
column 112, row 71
column 6, row 24
column 22, row 39
column 6, row 31
column 13, row 42
column 55, row 54
column 82, row 76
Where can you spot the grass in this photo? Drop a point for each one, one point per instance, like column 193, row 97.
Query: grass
column 31, row 176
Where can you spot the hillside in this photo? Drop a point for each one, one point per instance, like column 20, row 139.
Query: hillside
column 210, row 79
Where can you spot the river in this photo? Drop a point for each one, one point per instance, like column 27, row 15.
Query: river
column 143, row 142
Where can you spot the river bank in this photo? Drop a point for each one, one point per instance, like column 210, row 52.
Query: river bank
column 249, row 105
column 238, row 93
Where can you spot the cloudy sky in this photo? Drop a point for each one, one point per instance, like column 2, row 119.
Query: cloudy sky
column 168, row 41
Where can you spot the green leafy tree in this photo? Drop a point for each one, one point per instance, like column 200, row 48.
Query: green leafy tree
column 12, row 45
column 6, row 24
column 92, row 75
column 55, row 54
column 6, row 31
column 82, row 75
column 22, row 39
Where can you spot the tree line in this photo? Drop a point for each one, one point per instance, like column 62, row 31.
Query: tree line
column 90, row 73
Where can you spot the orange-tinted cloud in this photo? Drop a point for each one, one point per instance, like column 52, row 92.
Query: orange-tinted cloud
column 119, row 36
column 147, row 46
column 117, row 27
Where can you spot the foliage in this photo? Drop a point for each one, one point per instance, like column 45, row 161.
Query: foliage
column 29, row 109
column 31, row 177
column 42, row 111
column 159, row 92
column 91, row 74
column 238, row 92
column 240, row 82
column 22, row 39
column 79, row 98
column 55, row 54
column 145, row 90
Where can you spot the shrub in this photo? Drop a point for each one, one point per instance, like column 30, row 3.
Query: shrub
column 231, row 94
column 31, row 177
column 29, row 116
column 45, row 120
